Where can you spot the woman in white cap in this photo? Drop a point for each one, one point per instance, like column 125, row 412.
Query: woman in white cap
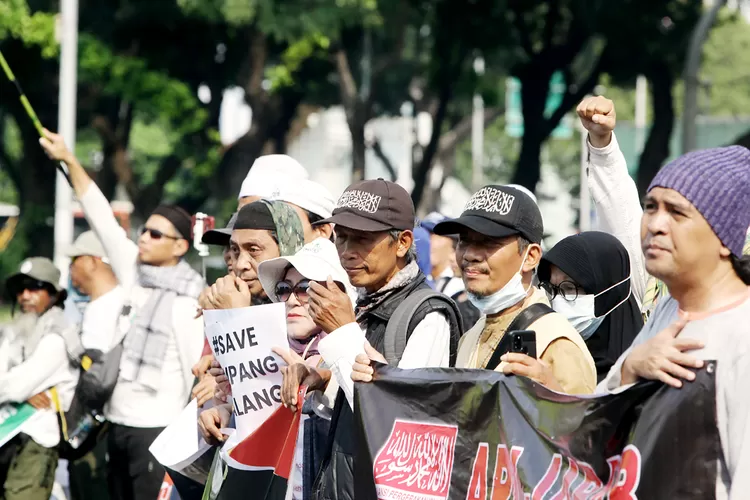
column 287, row 279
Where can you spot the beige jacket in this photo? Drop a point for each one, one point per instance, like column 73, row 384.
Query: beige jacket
column 559, row 344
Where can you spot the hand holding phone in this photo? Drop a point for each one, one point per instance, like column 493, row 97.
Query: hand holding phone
column 523, row 342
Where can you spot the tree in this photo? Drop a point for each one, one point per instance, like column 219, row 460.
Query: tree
column 664, row 29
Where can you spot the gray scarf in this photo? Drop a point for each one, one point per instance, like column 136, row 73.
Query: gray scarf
column 145, row 344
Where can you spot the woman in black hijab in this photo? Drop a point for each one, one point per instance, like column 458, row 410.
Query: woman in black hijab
column 587, row 278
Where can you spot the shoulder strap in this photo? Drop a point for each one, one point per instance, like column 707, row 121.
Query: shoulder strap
column 396, row 332
column 523, row 321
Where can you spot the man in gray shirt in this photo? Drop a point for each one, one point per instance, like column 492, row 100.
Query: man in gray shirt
column 695, row 219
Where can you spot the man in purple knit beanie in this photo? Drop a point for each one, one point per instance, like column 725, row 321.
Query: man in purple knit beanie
column 695, row 219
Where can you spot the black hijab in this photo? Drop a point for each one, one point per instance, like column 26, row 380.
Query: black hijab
column 597, row 261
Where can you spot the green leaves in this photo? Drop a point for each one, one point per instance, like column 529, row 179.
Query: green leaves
column 16, row 21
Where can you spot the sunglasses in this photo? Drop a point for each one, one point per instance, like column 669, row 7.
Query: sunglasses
column 32, row 286
column 155, row 234
column 284, row 290
column 568, row 290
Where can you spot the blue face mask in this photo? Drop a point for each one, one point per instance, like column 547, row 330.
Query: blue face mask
column 509, row 295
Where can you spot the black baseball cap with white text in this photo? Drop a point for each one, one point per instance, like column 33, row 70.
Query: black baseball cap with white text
column 498, row 212
column 373, row 205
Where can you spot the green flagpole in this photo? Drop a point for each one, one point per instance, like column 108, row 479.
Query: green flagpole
column 29, row 110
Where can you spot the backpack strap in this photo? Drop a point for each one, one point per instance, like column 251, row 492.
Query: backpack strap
column 397, row 330
column 523, row 321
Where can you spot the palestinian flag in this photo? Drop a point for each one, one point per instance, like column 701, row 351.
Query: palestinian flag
column 260, row 465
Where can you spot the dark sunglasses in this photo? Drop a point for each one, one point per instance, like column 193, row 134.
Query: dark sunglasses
column 32, row 286
column 155, row 234
column 284, row 290
column 568, row 290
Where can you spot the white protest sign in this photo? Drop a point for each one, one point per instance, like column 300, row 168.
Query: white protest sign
column 241, row 340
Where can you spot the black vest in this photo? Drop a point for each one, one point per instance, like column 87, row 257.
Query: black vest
column 336, row 477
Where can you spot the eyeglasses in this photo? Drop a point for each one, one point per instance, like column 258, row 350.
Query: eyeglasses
column 155, row 234
column 568, row 290
column 284, row 290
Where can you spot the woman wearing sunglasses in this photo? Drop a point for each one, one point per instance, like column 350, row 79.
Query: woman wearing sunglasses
column 287, row 279
column 587, row 279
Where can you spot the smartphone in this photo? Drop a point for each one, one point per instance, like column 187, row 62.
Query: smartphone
column 522, row 341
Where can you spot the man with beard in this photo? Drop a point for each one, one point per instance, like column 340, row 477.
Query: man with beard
column 34, row 361
column 162, row 336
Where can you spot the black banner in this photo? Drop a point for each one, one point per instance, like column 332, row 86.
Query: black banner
column 433, row 434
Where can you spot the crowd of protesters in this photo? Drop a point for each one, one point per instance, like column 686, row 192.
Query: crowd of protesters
column 343, row 269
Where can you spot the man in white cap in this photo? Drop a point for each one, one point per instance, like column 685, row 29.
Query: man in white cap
column 92, row 276
column 282, row 178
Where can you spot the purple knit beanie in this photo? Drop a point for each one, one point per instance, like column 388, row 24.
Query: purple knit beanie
column 717, row 182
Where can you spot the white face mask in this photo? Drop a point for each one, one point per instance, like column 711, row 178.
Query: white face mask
column 580, row 312
column 511, row 294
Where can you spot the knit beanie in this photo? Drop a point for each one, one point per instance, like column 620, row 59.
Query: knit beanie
column 717, row 182
column 179, row 218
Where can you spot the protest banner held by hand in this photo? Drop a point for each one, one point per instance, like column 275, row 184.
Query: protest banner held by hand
column 598, row 116
column 361, row 369
column 211, row 422
column 202, row 366
column 298, row 374
column 241, row 340
column 222, row 382
column 204, row 390
column 330, row 307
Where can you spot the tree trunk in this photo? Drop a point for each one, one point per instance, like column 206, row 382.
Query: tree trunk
column 528, row 167
column 357, row 128
column 534, row 90
column 656, row 150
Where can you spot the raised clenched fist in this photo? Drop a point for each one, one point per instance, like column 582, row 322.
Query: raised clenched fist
column 598, row 116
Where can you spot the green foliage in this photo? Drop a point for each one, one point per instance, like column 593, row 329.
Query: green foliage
column 159, row 96
column 16, row 21
column 726, row 68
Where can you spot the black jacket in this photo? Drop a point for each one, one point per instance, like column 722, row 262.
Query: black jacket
column 336, row 478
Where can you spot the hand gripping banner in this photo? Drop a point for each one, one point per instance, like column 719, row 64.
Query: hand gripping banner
column 438, row 434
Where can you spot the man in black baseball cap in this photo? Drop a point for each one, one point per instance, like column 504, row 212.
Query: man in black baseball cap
column 373, row 221
column 500, row 232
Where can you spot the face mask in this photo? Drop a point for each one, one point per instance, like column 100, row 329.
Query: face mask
column 580, row 312
column 511, row 294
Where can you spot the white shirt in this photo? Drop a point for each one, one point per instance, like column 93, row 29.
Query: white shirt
column 618, row 207
column 428, row 346
column 99, row 324
column 45, row 367
column 131, row 403
column 134, row 405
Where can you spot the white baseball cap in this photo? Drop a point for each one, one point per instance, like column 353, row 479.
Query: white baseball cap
column 269, row 173
column 316, row 261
